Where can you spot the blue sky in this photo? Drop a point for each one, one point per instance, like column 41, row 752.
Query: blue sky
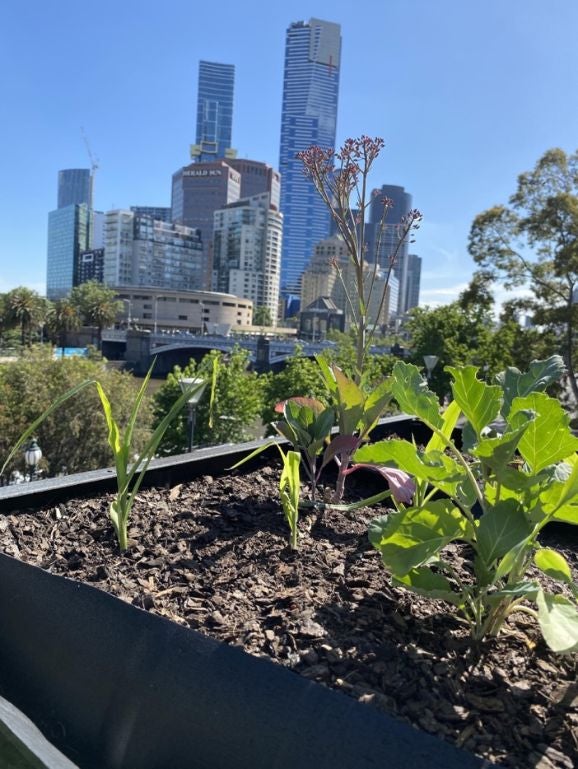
column 466, row 93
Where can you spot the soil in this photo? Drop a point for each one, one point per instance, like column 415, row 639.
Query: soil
column 213, row 554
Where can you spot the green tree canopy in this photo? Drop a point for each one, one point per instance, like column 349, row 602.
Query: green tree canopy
column 75, row 435
column 237, row 406
column 533, row 242
column 262, row 316
column 23, row 309
column 97, row 305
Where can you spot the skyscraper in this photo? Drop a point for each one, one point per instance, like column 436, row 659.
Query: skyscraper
column 384, row 245
column 214, row 112
column 68, row 236
column 247, row 251
column 73, row 187
column 308, row 116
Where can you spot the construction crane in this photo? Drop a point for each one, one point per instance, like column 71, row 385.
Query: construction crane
column 93, row 169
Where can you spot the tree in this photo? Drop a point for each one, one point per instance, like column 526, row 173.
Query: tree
column 24, row 308
column 62, row 318
column 262, row 316
column 97, row 305
column 75, row 435
column 456, row 336
column 237, row 406
column 534, row 242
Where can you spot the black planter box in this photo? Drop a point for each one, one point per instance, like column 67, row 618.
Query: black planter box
column 115, row 687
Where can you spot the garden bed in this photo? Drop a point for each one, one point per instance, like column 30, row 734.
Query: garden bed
column 211, row 554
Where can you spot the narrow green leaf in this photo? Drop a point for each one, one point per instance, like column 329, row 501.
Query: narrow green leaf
column 37, row 422
column 553, row 563
column 501, row 528
column 450, row 419
column 479, row 401
column 558, row 620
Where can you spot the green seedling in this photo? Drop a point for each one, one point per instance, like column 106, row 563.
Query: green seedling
column 130, row 472
column 517, row 472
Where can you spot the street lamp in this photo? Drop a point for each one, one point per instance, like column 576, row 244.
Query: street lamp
column 196, row 386
column 430, row 363
column 128, row 302
column 32, row 456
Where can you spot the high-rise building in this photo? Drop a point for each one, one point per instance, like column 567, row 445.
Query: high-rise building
column 413, row 281
column 161, row 213
column 200, row 189
column 308, row 116
column 73, row 187
column 141, row 251
column 214, row 112
column 90, row 266
column 383, row 236
column 247, row 251
column 68, row 236
column 321, row 279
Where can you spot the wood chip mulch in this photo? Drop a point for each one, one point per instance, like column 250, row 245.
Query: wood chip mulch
column 212, row 554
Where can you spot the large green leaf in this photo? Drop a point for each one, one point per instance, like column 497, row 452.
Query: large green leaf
column 497, row 453
column 438, row 469
column 548, row 438
column 412, row 395
column 540, row 374
column 426, row 582
column 501, row 528
column 350, row 400
column 479, row 401
column 558, row 620
column 558, row 494
column 411, row 537
column 553, row 563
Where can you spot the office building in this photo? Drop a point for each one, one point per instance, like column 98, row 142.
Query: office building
column 382, row 237
column 74, row 187
column 141, row 251
column 308, row 116
column 321, row 279
column 200, row 189
column 214, row 112
column 161, row 213
column 90, row 266
column 247, row 251
column 413, row 281
column 68, row 236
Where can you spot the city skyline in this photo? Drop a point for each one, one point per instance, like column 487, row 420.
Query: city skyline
column 461, row 117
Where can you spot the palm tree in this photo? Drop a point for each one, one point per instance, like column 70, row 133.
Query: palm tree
column 62, row 318
column 23, row 306
column 97, row 305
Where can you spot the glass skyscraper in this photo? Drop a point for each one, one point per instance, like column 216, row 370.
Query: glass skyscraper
column 214, row 111
column 68, row 231
column 73, row 187
column 308, row 116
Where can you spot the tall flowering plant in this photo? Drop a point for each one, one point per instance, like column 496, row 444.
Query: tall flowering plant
column 342, row 179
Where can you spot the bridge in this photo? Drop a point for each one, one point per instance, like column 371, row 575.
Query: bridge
column 170, row 349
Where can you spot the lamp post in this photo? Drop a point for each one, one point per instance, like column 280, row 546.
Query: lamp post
column 128, row 303
column 196, row 386
column 202, row 311
column 32, row 456
column 430, row 363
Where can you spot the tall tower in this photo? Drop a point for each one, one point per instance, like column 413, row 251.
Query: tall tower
column 214, row 112
column 308, row 116
column 386, row 244
column 73, row 187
